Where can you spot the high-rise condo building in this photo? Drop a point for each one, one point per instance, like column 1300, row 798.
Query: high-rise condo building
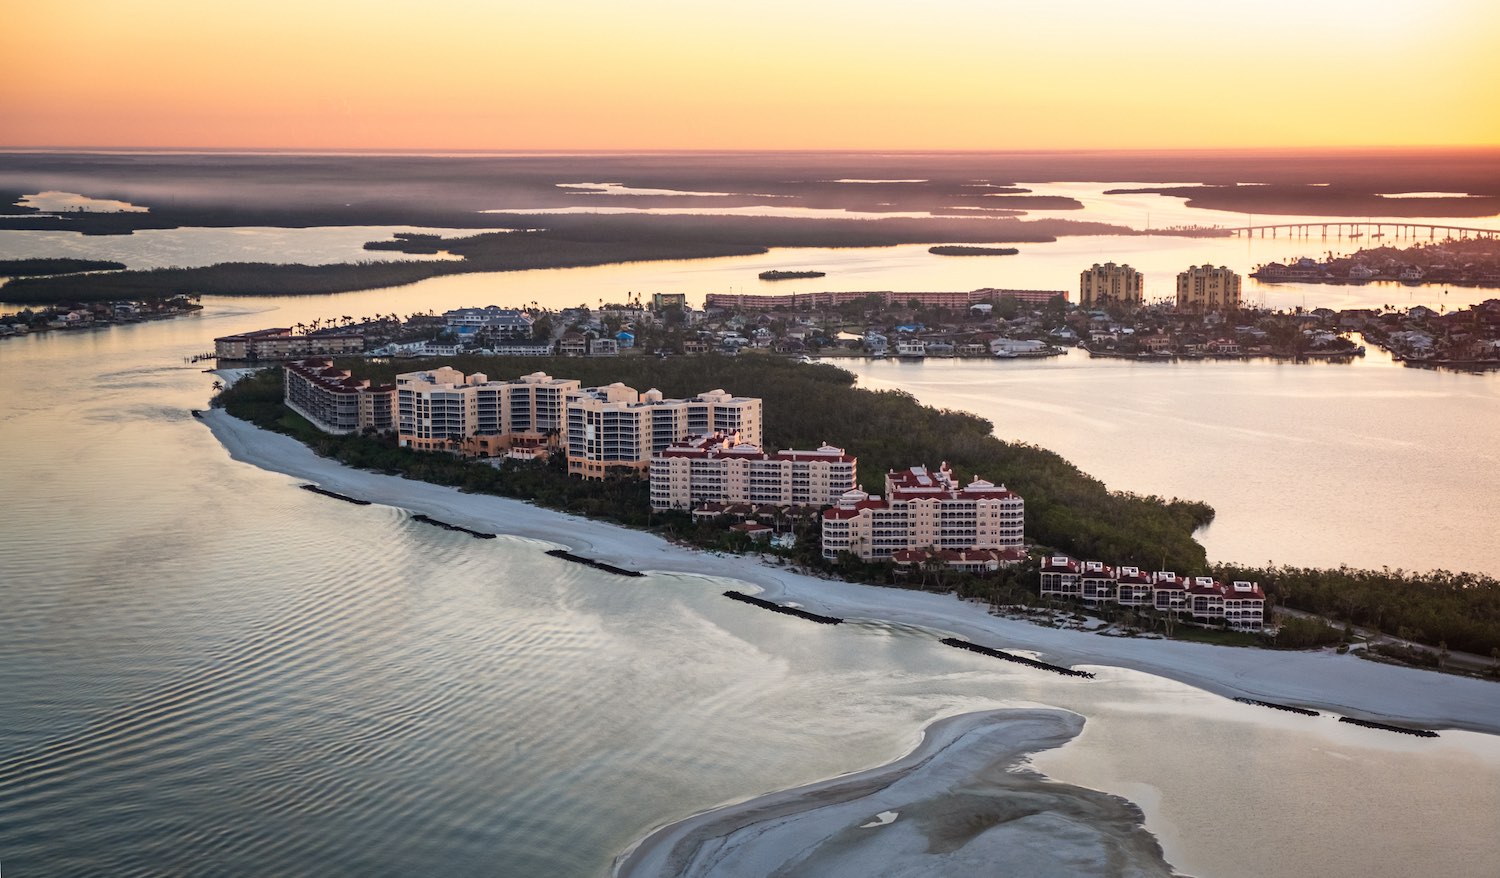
column 1204, row 288
column 1110, row 284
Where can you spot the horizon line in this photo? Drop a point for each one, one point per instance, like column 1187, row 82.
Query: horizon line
column 478, row 152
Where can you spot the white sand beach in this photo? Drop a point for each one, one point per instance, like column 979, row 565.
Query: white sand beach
column 1321, row 680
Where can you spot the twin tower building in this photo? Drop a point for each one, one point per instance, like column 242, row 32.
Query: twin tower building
column 1201, row 288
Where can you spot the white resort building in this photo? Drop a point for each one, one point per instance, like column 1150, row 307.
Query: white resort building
column 925, row 510
column 1241, row 605
column 722, row 468
column 334, row 400
column 613, row 427
column 444, row 409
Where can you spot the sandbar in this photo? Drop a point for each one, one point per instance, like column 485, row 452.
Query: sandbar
column 958, row 804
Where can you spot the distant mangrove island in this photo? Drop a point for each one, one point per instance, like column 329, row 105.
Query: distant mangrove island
column 775, row 274
column 45, row 267
column 952, row 250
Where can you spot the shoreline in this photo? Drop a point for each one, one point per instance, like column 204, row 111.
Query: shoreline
column 1320, row 680
column 954, row 801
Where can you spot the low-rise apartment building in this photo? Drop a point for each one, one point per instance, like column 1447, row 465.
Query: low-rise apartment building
column 491, row 318
column 334, row 400
column 722, row 468
column 924, row 509
column 280, row 344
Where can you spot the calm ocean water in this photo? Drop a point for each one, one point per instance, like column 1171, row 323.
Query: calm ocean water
column 207, row 671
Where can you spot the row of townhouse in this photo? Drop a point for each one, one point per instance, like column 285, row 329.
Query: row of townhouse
column 1240, row 604
column 335, row 401
column 924, row 510
column 722, row 468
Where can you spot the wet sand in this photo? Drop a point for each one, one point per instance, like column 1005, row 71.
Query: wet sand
column 956, row 805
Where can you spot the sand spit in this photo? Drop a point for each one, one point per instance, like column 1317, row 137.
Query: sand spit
column 956, row 805
column 1323, row 680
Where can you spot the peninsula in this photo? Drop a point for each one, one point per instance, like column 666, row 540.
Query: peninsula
column 1066, row 509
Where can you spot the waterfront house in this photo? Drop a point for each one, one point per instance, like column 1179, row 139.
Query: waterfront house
column 1097, row 582
column 1168, row 592
column 1061, row 576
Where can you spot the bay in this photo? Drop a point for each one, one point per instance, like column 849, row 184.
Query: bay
column 209, row 671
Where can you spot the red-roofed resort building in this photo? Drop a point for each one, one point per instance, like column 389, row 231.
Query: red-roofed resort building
column 334, row 400
column 721, row 468
column 924, row 509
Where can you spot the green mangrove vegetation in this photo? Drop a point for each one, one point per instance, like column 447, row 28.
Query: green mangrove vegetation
column 39, row 267
column 1459, row 611
column 954, row 250
column 490, row 252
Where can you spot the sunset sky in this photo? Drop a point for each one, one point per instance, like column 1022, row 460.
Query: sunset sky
column 944, row 74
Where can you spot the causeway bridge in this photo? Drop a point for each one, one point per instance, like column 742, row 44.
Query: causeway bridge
column 1365, row 229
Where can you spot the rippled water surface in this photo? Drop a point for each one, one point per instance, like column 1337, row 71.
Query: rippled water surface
column 207, row 671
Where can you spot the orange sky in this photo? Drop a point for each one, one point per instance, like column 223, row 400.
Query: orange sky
column 944, row 74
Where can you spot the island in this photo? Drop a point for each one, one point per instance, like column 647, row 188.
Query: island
column 48, row 267
column 950, row 250
column 790, row 275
